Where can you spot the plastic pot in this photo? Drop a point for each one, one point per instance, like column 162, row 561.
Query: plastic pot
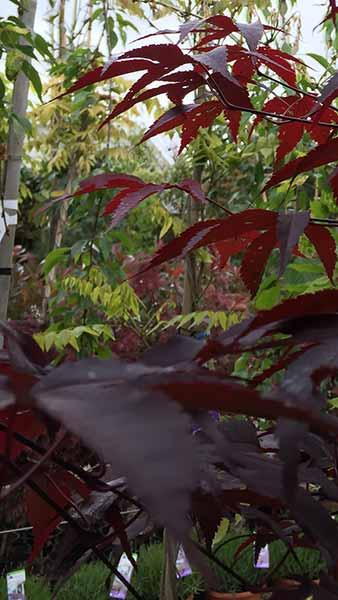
column 290, row 584
column 232, row 596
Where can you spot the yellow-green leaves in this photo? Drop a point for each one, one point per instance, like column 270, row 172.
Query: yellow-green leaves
column 70, row 337
column 210, row 318
column 120, row 302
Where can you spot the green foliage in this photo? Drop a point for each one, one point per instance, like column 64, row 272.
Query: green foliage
column 147, row 579
column 99, row 305
column 305, row 562
column 35, row 588
column 88, row 583
column 208, row 318
column 53, row 258
column 243, row 567
column 72, row 336
column 18, row 44
column 119, row 303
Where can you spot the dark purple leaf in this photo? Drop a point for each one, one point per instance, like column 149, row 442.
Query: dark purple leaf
column 126, row 200
column 192, row 187
column 329, row 93
column 208, row 232
column 321, row 155
column 325, row 246
column 130, row 427
column 290, row 226
column 202, row 116
column 114, row 68
column 103, row 181
column 174, row 117
column 233, row 95
column 255, row 259
column 180, row 348
column 252, row 33
column 217, row 61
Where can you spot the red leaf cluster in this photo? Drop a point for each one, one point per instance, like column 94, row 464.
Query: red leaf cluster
column 59, row 486
column 241, row 232
column 291, row 133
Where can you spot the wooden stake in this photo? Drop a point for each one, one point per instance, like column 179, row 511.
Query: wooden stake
column 16, row 136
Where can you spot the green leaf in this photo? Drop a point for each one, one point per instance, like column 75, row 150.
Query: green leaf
column 221, row 531
column 112, row 37
column 307, row 267
column 96, row 14
column 27, row 50
column 14, row 62
column 268, row 298
column 318, row 209
column 125, row 23
column 333, row 402
column 33, row 77
column 49, row 340
column 42, row 46
column 74, row 343
column 16, row 29
column 62, row 339
column 2, row 89
column 78, row 248
column 53, row 258
column 23, row 122
column 322, row 61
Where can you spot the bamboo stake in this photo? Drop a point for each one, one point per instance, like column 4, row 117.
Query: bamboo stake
column 13, row 166
column 168, row 589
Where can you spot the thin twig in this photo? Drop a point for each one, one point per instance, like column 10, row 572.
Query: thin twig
column 73, row 523
column 183, row 13
column 214, row 87
column 68, row 499
column 58, row 439
column 293, row 88
column 91, row 480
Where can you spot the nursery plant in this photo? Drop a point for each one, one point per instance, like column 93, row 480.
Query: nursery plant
column 147, row 578
column 138, row 416
column 237, row 551
column 35, row 588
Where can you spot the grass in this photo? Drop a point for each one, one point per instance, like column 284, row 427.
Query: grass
column 309, row 564
column 35, row 587
column 89, row 582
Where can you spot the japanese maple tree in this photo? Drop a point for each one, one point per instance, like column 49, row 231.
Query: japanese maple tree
column 138, row 416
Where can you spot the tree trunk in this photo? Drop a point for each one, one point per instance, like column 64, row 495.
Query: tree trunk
column 90, row 23
column 62, row 28
column 13, row 166
column 190, row 288
column 57, row 229
column 59, row 215
column 62, row 38
column 169, row 581
column 191, row 284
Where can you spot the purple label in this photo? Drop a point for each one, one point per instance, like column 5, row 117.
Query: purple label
column 182, row 566
column 263, row 560
column 124, row 567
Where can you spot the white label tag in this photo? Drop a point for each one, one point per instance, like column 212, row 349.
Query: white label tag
column 10, row 219
column 126, row 569
column 11, row 204
column 263, row 561
column 182, row 566
column 16, row 585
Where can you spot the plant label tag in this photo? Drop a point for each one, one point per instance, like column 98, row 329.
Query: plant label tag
column 126, row 569
column 263, row 560
column 16, row 585
column 182, row 566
